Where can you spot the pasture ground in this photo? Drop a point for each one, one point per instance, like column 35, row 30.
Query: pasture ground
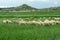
column 28, row 14
column 28, row 32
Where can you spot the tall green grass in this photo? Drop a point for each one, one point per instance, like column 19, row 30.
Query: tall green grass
column 29, row 32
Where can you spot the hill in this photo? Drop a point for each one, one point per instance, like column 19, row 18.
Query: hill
column 19, row 8
column 51, row 9
column 26, row 7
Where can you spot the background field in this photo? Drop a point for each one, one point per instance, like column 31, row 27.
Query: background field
column 28, row 32
column 29, row 14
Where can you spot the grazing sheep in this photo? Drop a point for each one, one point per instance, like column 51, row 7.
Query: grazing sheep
column 22, row 22
column 29, row 22
column 57, row 18
column 36, row 22
column 7, row 21
column 4, row 21
column 20, row 19
column 52, row 22
column 15, row 21
column 46, row 22
column 39, row 22
column 57, row 22
column 33, row 22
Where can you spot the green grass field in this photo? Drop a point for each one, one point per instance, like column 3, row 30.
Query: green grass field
column 29, row 14
column 28, row 32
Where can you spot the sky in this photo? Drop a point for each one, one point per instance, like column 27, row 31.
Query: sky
column 33, row 3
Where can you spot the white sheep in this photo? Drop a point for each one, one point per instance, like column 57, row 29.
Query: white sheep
column 29, row 22
column 7, row 21
column 46, row 22
column 52, row 22
column 57, row 22
column 4, row 21
column 39, row 22
column 33, row 22
column 57, row 18
column 15, row 21
column 22, row 22
column 36, row 22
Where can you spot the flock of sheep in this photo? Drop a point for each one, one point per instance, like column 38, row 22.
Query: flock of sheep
column 39, row 22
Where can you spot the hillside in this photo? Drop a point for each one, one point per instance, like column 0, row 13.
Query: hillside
column 26, row 7
column 20, row 8
column 53, row 9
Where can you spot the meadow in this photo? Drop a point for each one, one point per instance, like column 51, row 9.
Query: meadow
column 13, row 31
column 29, row 32
column 28, row 14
